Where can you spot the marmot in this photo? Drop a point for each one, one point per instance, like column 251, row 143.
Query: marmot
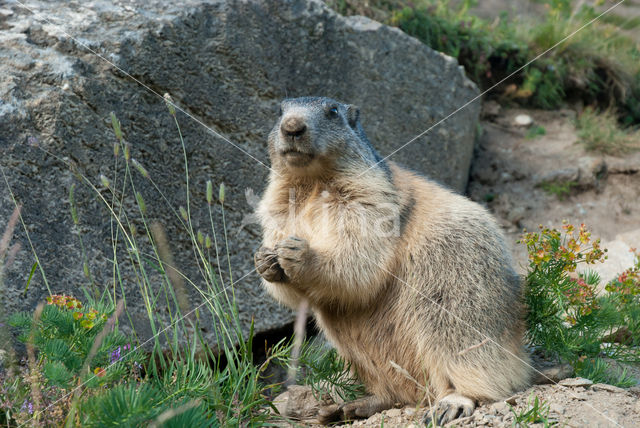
column 397, row 270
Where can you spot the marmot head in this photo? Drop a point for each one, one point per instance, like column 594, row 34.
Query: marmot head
column 319, row 136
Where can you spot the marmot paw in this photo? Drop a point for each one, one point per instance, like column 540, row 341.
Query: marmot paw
column 451, row 407
column 293, row 256
column 266, row 261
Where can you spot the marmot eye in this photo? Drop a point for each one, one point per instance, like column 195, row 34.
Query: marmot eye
column 332, row 112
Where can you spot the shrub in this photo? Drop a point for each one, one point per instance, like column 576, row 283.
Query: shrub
column 570, row 316
column 599, row 131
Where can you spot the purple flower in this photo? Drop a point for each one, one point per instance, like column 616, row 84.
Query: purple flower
column 27, row 406
column 115, row 355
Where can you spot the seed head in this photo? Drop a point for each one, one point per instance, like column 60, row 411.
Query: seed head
column 170, row 105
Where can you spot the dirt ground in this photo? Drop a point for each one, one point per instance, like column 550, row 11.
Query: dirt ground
column 509, row 168
column 572, row 402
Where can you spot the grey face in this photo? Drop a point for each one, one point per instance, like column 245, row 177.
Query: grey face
column 311, row 131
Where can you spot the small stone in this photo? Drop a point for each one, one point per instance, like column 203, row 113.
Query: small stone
column 575, row 382
column 394, row 413
column 409, row 411
column 512, row 400
column 500, row 407
column 516, row 214
column 556, row 408
column 490, row 110
column 558, row 176
column 523, row 120
column 608, row 388
column 506, row 177
column 580, row 396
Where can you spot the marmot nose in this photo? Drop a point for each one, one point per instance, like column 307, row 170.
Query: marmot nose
column 293, row 126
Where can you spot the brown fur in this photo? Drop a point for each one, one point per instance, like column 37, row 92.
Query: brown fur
column 421, row 296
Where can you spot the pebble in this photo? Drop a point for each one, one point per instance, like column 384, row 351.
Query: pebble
column 512, row 400
column 575, row 382
column 394, row 413
column 608, row 388
column 500, row 407
column 556, row 408
column 523, row 120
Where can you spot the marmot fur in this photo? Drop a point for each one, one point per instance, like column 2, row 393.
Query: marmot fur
column 397, row 270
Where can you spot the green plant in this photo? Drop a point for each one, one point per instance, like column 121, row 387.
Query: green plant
column 551, row 57
column 560, row 188
column 325, row 371
column 535, row 131
column 600, row 131
column 88, row 375
column 64, row 335
column 454, row 31
column 568, row 317
column 536, row 412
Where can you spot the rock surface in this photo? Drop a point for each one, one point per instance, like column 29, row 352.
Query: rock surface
column 64, row 66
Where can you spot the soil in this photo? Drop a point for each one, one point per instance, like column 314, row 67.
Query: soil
column 574, row 402
column 509, row 170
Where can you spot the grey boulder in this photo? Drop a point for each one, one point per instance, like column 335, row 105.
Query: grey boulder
column 64, row 66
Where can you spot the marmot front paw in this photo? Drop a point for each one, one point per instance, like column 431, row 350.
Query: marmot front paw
column 293, row 256
column 267, row 266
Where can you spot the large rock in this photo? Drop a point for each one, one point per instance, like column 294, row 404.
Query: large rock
column 65, row 65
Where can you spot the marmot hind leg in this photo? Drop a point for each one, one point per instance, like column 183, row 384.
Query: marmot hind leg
column 361, row 408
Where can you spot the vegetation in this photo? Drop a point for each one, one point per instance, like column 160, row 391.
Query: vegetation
column 536, row 412
column 535, row 131
column 599, row 131
column 573, row 316
column 561, row 189
column 322, row 368
column 82, row 370
column 548, row 60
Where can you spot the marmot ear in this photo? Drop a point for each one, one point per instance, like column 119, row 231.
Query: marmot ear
column 353, row 115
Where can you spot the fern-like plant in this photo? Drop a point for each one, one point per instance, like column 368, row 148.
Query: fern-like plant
column 570, row 316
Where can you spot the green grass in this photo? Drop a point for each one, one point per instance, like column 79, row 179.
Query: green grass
column 72, row 377
column 536, row 412
column 562, row 189
column 600, row 131
column 535, row 132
